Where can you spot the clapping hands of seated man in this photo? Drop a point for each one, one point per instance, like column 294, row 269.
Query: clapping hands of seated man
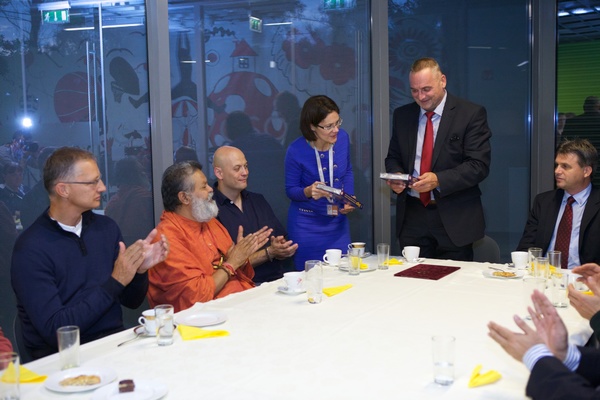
column 281, row 248
column 246, row 246
column 550, row 331
column 139, row 257
column 585, row 303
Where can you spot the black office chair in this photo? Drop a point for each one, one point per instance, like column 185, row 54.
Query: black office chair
column 24, row 354
column 486, row 250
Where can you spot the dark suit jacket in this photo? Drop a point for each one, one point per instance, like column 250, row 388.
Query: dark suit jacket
column 461, row 160
column 550, row 379
column 542, row 219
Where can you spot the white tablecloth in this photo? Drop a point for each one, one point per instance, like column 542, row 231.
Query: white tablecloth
column 371, row 341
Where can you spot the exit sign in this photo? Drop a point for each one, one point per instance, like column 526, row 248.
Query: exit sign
column 338, row 4
column 255, row 24
column 55, row 16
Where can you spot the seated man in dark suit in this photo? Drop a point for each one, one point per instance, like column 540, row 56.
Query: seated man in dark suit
column 559, row 370
column 576, row 235
column 239, row 207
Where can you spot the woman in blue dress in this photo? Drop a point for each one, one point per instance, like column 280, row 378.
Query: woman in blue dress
column 321, row 156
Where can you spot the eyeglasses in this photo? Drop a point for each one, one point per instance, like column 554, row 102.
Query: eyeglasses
column 330, row 127
column 95, row 182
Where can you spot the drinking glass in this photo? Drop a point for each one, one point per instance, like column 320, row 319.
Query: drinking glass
column 558, row 289
column 9, row 376
column 68, row 346
column 383, row 255
column 531, row 283
column 554, row 260
column 313, row 270
column 541, row 268
column 533, row 252
column 443, row 359
column 355, row 261
column 164, row 324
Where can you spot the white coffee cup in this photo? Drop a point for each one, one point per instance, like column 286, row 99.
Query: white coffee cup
column 358, row 245
column 148, row 320
column 411, row 253
column 519, row 259
column 332, row 256
column 293, row 280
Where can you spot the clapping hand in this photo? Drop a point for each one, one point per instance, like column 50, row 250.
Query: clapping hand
column 586, row 305
column 154, row 253
column 246, row 245
column 550, row 330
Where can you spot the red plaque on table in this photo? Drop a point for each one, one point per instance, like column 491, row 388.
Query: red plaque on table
column 427, row 271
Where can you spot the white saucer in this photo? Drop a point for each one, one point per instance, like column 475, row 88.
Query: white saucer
column 141, row 331
column 344, row 267
column 285, row 290
column 416, row 260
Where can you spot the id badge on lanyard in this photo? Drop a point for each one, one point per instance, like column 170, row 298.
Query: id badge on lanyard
column 332, row 209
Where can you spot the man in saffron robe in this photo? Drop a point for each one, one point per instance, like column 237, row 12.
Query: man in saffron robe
column 204, row 264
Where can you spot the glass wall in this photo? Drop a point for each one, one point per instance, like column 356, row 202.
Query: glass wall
column 484, row 50
column 265, row 59
column 72, row 74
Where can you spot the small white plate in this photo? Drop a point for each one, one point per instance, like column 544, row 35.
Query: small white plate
column 144, row 390
column 285, row 290
column 201, row 319
column 416, row 260
column 106, row 375
column 141, row 331
column 490, row 274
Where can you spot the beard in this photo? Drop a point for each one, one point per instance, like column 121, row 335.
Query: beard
column 204, row 210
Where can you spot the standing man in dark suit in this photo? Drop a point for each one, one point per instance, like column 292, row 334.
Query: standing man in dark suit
column 575, row 164
column 559, row 369
column 441, row 212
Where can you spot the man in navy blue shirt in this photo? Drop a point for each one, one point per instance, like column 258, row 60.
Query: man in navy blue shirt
column 237, row 206
column 71, row 267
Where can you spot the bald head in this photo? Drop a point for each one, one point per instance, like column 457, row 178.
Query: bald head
column 231, row 169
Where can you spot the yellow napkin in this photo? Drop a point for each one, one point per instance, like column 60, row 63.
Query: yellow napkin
column 192, row 333
column 332, row 291
column 364, row 266
column 25, row 375
column 478, row 379
column 394, row 261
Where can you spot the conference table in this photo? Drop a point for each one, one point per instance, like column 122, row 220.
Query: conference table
column 372, row 340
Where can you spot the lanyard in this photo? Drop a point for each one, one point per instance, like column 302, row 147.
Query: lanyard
column 321, row 176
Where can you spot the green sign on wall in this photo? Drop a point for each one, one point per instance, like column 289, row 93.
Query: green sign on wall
column 55, row 16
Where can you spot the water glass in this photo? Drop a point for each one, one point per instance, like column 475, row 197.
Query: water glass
column 164, row 324
column 383, row 255
column 533, row 252
column 558, row 289
column 355, row 260
column 443, row 359
column 68, row 346
column 531, row 283
column 9, row 376
column 313, row 270
column 554, row 260
column 541, row 268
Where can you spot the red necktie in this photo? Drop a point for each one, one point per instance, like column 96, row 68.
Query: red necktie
column 427, row 154
column 563, row 234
